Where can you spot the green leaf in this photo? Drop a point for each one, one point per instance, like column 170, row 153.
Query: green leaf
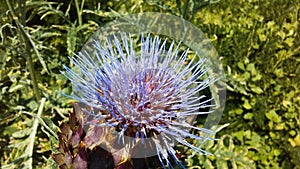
column 254, row 140
column 248, row 116
column 257, row 89
column 270, row 24
column 238, row 111
column 280, row 126
column 15, row 88
column 273, row 116
column 251, row 68
column 22, row 133
column 292, row 133
column 257, row 77
column 279, row 72
column 247, row 105
column 281, row 34
column 241, row 65
column 239, row 135
column 289, row 41
column 262, row 37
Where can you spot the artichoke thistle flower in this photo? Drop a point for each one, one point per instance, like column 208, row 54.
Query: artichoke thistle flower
column 146, row 98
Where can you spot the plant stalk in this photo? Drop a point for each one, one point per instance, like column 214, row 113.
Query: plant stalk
column 79, row 12
column 27, row 48
column 30, row 147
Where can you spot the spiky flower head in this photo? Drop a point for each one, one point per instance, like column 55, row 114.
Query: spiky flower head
column 148, row 96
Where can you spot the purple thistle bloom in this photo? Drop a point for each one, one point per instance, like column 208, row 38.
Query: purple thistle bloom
column 150, row 94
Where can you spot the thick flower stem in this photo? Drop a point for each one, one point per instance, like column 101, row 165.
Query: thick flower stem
column 26, row 41
column 29, row 149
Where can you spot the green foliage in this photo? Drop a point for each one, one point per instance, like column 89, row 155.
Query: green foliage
column 36, row 38
column 258, row 41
